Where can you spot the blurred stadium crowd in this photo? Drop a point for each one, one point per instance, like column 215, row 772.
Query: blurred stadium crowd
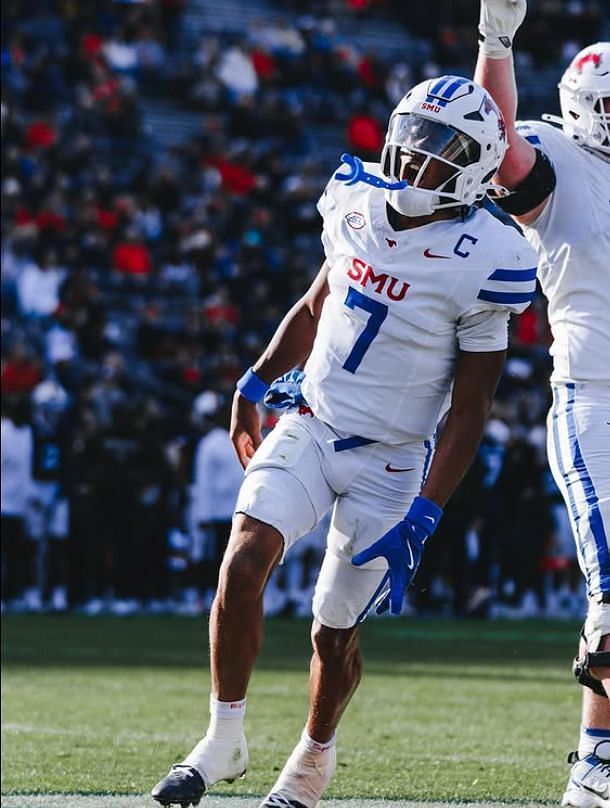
column 145, row 264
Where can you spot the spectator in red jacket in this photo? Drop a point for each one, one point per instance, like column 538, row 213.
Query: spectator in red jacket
column 20, row 374
column 131, row 256
column 365, row 135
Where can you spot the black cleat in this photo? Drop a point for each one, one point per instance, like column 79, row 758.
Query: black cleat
column 280, row 801
column 183, row 786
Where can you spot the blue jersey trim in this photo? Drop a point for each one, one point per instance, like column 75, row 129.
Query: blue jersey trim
column 374, row 597
column 351, row 443
column 513, row 275
column 595, row 517
column 428, row 448
column 506, row 297
column 568, row 482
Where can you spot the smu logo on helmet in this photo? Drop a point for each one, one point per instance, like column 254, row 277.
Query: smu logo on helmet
column 430, row 107
column 594, row 59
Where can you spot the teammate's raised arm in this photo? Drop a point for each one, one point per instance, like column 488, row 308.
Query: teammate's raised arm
column 525, row 170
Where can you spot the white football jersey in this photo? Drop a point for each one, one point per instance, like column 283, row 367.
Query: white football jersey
column 572, row 239
column 400, row 305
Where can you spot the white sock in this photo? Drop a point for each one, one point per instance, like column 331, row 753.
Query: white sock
column 226, row 718
column 316, row 746
column 594, row 741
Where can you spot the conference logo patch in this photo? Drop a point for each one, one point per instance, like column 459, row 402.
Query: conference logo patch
column 355, row 220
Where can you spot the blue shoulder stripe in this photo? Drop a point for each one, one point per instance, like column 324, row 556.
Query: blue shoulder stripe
column 532, row 137
column 506, row 297
column 513, row 275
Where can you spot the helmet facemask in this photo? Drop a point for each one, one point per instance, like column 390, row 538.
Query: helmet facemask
column 585, row 117
column 584, row 97
column 439, row 161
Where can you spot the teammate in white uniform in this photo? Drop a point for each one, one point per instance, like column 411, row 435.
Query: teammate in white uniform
column 560, row 178
column 407, row 317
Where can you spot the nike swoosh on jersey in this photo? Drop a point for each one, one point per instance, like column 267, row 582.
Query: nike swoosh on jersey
column 390, row 468
column 429, row 254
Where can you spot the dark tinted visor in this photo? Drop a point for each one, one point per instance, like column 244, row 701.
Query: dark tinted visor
column 409, row 131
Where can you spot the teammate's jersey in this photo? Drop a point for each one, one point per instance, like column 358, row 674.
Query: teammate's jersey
column 400, row 304
column 572, row 239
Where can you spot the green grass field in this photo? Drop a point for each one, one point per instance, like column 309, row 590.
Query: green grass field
column 447, row 711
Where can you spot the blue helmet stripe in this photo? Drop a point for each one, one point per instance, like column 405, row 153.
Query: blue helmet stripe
column 443, row 89
column 435, row 93
column 448, row 92
column 436, row 90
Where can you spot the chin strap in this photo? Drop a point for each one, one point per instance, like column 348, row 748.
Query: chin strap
column 498, row 190
column 579, row 139
column 546, row 116
column 356, row 173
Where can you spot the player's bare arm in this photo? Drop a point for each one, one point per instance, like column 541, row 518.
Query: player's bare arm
column 496, row 72
column 289, row 347
column 476, row 379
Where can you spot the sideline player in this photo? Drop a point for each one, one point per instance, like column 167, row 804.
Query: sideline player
column 560, row 182
column 413, row 299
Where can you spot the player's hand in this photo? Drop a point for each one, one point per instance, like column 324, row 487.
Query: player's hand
column 245, row 428
column 498, row 23
column 285, row 391
column 402, row 547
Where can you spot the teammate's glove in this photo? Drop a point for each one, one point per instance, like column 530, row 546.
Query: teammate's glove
column 402, row 547
column 285, row 391
column 498, row 23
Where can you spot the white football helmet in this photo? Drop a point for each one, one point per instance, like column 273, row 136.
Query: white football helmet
column 447, row 128
column 582, row 90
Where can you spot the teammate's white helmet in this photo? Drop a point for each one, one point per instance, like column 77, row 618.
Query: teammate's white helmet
column 459, row 135
column 582, row 90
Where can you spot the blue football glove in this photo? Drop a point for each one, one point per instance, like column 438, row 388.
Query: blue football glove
column 285, row 391
column 402, row 547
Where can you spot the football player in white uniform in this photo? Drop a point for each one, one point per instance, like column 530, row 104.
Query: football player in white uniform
column 560, row 183
column 407, row 318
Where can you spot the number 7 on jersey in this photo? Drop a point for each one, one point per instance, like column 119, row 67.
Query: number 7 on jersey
column 378, row 312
